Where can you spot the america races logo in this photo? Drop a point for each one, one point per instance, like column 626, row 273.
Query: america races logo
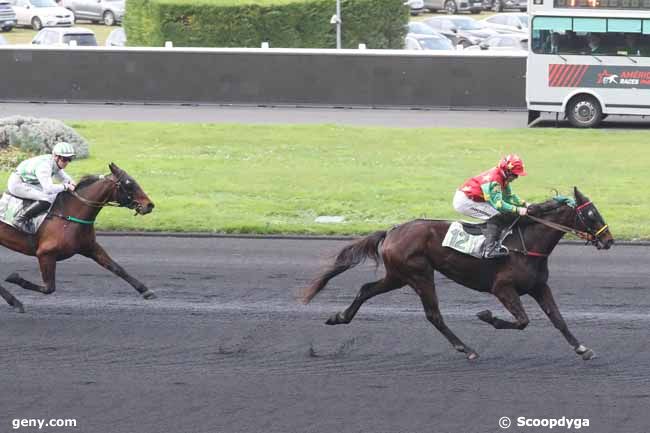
column 565, row 75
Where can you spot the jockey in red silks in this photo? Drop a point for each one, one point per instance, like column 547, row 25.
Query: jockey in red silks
column 489, row 197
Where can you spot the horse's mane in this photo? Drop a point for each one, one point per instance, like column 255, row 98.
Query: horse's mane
column 88, row 180
column 552, row 204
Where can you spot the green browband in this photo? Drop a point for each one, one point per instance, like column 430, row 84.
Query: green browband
column 80, row 221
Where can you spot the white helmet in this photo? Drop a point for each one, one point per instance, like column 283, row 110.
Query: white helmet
column 63, row 149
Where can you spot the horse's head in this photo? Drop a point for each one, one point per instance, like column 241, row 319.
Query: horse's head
column 128, row 193
column 589, row 220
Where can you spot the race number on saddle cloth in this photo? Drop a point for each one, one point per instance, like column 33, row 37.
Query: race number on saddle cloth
column 489, row 197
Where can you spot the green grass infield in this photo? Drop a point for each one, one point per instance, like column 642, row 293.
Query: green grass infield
column 267, row 179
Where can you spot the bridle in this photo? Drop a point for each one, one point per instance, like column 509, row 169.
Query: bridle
column 590, row 236
column 128, row 202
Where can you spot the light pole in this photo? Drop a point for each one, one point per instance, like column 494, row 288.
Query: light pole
column 336, row 19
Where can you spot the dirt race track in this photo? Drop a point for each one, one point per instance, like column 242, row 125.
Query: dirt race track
column 225, row 348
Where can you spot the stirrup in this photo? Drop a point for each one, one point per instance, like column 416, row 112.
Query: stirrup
column 496, row 252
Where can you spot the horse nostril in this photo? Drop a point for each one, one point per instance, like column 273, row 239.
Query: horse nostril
column 150, row 207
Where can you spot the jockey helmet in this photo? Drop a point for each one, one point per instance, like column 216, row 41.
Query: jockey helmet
column 513, row 164
column 63, row 149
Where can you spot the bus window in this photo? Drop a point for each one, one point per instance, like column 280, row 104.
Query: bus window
column 591, row 36
column 590, row 25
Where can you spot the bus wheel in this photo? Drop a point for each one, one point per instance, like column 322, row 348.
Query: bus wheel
column 584, row 111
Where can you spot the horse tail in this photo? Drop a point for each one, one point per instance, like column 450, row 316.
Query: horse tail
column 348, row 257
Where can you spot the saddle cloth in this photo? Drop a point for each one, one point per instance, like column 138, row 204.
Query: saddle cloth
column 460, row 240
column 12, row 206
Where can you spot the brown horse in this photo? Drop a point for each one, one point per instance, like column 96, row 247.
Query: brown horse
column 411, row 252
column 68, row 230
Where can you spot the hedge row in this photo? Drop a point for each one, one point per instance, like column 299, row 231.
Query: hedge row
column 282, row 23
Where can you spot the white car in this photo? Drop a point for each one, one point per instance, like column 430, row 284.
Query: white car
column 41, row 13
column 415, row 41
column 65, row 36
column 416, row 6
column 512, row 42
column 508, row 22
column 117, row 38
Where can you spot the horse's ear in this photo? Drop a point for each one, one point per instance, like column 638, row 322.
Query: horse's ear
column 580, row 197
column 114, row 169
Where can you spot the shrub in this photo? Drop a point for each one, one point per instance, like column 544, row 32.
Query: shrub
column 38, row 136
column 282, row 23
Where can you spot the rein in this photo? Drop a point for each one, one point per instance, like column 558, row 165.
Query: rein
column 91, row 203
column 95, row 204
column 586, row 236
column 566, row 229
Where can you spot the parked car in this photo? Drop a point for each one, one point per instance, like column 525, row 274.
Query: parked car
column 414, row 41
column 513, row 42
column 41, row 13
column 454, row 6
column 7, row 16
column 501, row 5
column 117, row 38
column 508, row 22
column 419, row 28
column 467, row 31
column 416, row 6
column 64, row 36
column 109, row 12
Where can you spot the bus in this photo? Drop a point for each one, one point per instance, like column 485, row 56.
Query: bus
column 588, row 59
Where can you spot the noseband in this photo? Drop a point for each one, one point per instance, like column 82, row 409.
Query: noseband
column 595, row 235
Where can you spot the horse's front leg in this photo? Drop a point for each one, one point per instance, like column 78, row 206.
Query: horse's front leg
column 510, row 299
column 545, row 299
column 98, row 254
column 47, row 263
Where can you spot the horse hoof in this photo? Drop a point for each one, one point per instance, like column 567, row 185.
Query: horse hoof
column 485, row 316
column 589, row 354
column 13, row 278
column 472, row 356
column 148, row 295
column 335, row 319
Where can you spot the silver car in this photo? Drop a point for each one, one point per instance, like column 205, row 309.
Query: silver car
column 508, row 22
column 453, row 6
column 109, row 12
column 7, row 16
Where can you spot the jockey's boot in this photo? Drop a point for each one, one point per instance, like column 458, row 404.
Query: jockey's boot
column 32, row 210
column 492, row 249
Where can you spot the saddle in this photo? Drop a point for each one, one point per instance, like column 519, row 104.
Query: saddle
column 12, row 206
column 474, row 229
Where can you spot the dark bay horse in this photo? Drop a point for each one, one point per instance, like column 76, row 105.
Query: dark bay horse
column 411, row 252
column 68, row 230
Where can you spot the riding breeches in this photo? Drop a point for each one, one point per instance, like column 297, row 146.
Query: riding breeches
column 475, row 209
column 22, row 189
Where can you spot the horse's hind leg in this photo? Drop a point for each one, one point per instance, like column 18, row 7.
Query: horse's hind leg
column 11, row 300
column 544, row 298
column 366, row 292
column 99, row 255
column 510, row 299
column 427, row 291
